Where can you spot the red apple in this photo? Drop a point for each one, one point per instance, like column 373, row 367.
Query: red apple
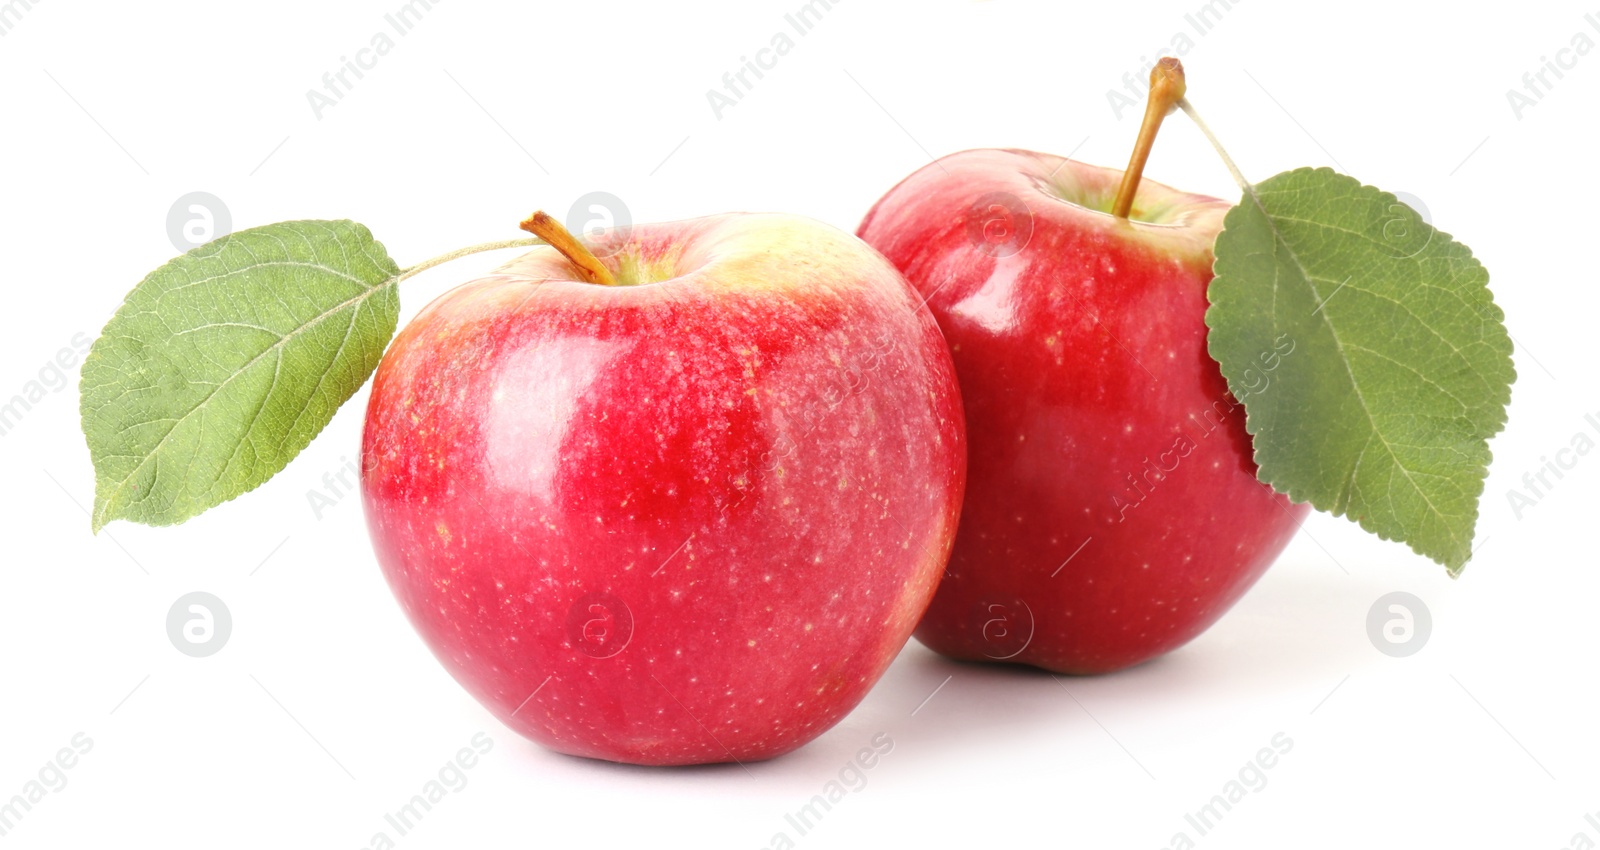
column 689, row 517
column 1112, row 509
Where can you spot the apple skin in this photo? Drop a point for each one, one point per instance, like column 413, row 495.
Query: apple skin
column 1095, row 416
column 678, row 522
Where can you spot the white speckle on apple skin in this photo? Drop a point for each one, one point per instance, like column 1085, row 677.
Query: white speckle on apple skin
column 613, row 465
column 1081, row 356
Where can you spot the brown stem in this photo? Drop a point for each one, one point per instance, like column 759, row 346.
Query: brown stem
column 1167, row 87
column 589, row 267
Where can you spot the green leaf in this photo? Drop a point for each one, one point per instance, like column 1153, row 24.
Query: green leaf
column 223, row 364
column 1399, row 366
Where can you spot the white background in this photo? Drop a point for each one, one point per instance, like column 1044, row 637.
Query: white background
column 324, row 711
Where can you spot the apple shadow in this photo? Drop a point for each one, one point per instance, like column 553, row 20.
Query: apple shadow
column 1294, row 636
column 935, row 704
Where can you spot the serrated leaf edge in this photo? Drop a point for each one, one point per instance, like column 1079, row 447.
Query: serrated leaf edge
column 1299, row 494
column 101, row 515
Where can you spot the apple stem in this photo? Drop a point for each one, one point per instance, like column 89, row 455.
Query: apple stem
column 589, row 267
column 462, row 252
column 1167, row 87
column 1233, row 169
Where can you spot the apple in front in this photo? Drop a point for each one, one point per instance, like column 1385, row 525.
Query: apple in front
column 1112, row 509
column 690, row 517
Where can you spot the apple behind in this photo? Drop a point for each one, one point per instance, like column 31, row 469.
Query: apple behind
column 1112, row 509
